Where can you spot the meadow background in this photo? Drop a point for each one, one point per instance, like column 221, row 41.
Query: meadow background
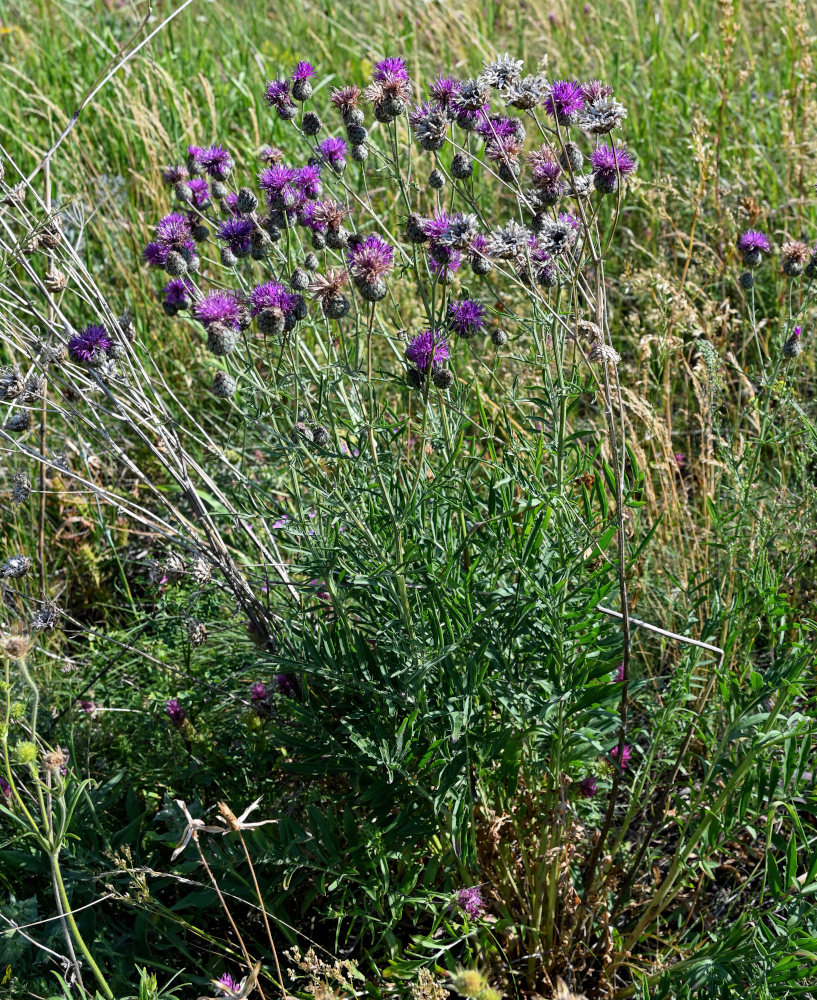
column 722, row 114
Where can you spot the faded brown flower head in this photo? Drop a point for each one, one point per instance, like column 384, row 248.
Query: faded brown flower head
column 15, row 646
column 324, row 286
column 54, row 761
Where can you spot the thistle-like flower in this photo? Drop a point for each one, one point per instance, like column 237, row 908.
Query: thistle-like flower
column 427, row 349
column 219, row 306
column 217, row 162
column 564, row 101
column 508, row 241
column 470, row 900
column 601, row 116
column 752, row 245
column 503, row 72
column 609, row 163
column 465, row 317
column 92, row 344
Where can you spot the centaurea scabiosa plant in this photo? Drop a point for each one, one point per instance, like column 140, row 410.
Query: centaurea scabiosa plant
column 401, row 384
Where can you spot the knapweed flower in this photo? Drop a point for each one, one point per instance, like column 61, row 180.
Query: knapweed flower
column 427, row 349
column 502, row 72
column 217, row 162
column 175, row 175
column 272, row 295
column 194, row 154
column 626, row 756
column 345, row 99
column 175, row 712
column 393, row 67
column 270, row 154
column 443, row 90
column 508, row 241
column 497, row 127
column 526, row 94
column 228, row 986
column 307, row 180
column 284, row 684
column 556, row 236
column 91, row 344
column 471, row 104
column 794, row 256
column 443, row 268
column 326, row 289
column 200, row 191
column 752, row 245
column 219, row 306
column 609, row 162
column 5, row 790
column 333, row 152
column 278, row 184
column 429, row 125
column 595, row 90
column 460, row 231
column 173, row 231
column 465, row 318
column 370, row 259
column 302, row 80
column 178, row 295
column 236, row 234
column 793, row 346
column 601, row 116
column 588, row 787
column 564, row 101
column 258, row 691
column 277, row 96
column 470, row 900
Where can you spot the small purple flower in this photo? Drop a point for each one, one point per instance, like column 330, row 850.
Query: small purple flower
column 308, row 180
column 477, row 248
column 194, row 154
column 588, row 787
column 393, row 68
column 443, row 91
column 754, row 241
column 798, row 331
column 175, row 712
column 465, row 317
column 619, row 677
column 200, row 190
column 370, row 259
column 272, row 295
column 155, row 254
column 680, row 459
column 284, row 684
column 444, row 267
column 88, row 707
column 90, row 344
column 237, row 235
column 229, row 986
column 173, row 231
column 303, row 71
column 306, row 217
column 436, row 226
column 5, row 789
column 277, row 183
column 428, row 348
column 497, row 128
column 217, row 162
column 277, row 96
column 333, row 151
column 470, row 900
column 258, row 691
column 178, row 294
column 626, row 756
column 174, row 175
column 564, row 101
column 608, row 161
column 569, row 219
column 218, row 306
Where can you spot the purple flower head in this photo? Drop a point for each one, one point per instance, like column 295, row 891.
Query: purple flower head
column 626, row 756
column 228, row 985
column 155, row 254
column 175, row 712
column 470, row 900
column 477, row 248
column 277, row 96
column 620, row 673
column 272, row 295
column 87, row 706
column 5, row 788
column 174, row 175
column 393, row 67
column 564, row 101
column 345, row 99
column 443, row 91
column 754, row 240
column 230, row 202
column 218, row 306
column 496, row 127
column 178, row 293
column 194, row 155
column 284, row 684
column 308, row 180
column 370, row 259
column 200, row 191
column 236, row 234
column 306, row 217
column 277, row 182
column 91, row 344
column 595, row 90
column 444, row 266
column 173, row 231
column 465, row 318
column 436, row 226
column 333, row 151
column 588, row 787
column 468, row 117
column 428, row 348
column 798, row 331
column 680, row 459
column 258, row 691
column 270, row 154
column 303, row 71
column 217, row 162
column 609, row 160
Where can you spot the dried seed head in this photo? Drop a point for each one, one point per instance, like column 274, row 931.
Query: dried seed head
column 20, row 488
column 45, row 617
column 200, row 569
column 301, row 433
column 55, row 761
column 196, row 632
column 795, row 256
column 443, row 378
column 11, row 382
column 15, row 646
column 320, row 435
column 15, row 567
